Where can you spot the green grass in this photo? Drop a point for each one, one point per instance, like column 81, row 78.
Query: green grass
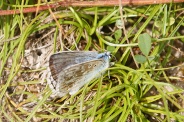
column 131, row 93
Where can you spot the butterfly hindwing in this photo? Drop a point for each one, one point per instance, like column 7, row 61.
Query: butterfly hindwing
column 74, row 77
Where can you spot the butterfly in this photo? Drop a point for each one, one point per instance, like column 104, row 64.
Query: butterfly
column 70, row 70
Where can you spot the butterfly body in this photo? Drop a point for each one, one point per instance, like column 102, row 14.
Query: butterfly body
column 71, row 70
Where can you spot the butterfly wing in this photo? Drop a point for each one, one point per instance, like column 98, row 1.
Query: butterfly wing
column 62, row 60
column 70, row 73
column 74, row 77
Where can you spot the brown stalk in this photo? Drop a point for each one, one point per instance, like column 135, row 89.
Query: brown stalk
column 87, row 4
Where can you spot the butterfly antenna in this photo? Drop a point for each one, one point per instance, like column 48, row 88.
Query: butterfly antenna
column 113, row 57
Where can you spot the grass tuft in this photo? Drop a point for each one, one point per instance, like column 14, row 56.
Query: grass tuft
column 151, row 91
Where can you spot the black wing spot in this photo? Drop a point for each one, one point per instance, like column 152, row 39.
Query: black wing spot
column 89, row 66
column 94, row 65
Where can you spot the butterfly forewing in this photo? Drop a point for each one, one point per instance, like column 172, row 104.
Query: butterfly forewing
column 59, row 61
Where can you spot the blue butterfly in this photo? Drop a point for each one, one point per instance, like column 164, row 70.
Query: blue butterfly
column 70, row 70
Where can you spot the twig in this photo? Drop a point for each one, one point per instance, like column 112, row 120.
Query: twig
column 87, row 4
